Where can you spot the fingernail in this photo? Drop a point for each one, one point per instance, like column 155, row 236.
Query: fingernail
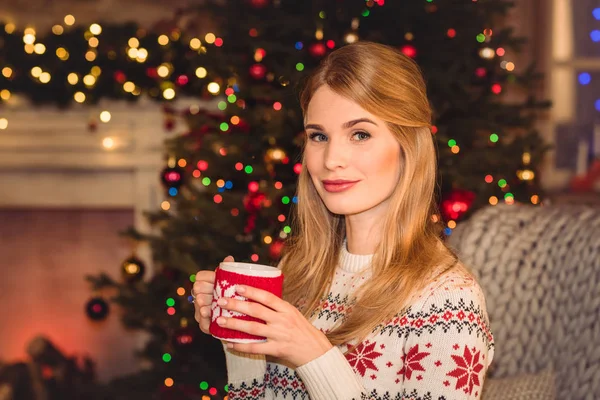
column 222, row 302
column 221, row 321
column 240, row 289
column 230, row 345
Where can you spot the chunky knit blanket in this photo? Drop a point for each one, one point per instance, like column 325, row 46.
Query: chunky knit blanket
column 539, row 268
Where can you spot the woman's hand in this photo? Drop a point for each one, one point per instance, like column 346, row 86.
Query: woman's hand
column 290, row 337
column 203, row 293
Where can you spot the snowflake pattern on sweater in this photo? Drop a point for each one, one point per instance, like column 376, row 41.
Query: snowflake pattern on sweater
column 439, row 348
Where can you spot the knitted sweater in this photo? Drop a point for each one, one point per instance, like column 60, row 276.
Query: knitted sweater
column 439, row 348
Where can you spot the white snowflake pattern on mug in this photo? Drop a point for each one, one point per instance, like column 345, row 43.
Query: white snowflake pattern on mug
column 224, row 289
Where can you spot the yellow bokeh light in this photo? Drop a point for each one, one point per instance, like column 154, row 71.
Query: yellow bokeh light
column 235, row 120
column 79, row 97
column 195, row 44
column 455, row 149
column 129, row 87
column 451, row 224
column 132, row 53
column 58, row 29
column 163, row 40
column 72, row 78
column 133, row 42
column 319, row 34
column 5, row 94
column 108, row 143
column 69, row 20
column 201, row 72
column 45, row 77
column 95, row 29
column 29, row 48
column 169, row 94
column 213, row 87
column 180, row 291
column 96, row 71
column 9, row 28
column 525, row 175
column 39, row 48
column 182, row 163
column 89, row 80
column 28, row 38
column 510, row 66
column 142, row 55
column 93, row 42
column 509, row 200
column 351, row 37
column 165, row 205
column 62, row 53
column 210, row 38
column 268, row 239
column 90, row 56
column 169, row 382
column 163, row 71
column 29, row 31
column 105, row 116
column 3, row 123
column 36, row 72
column 493, row 200
column 7, row 72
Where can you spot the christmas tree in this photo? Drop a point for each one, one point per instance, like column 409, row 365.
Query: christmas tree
column 230, row 179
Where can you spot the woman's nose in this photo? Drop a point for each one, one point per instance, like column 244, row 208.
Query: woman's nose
column 336, row 156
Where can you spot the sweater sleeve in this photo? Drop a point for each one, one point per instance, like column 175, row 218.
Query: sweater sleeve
column 330, row 377
column 246, row 375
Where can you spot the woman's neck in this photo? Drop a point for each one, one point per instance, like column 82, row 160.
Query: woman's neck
column 363, row 234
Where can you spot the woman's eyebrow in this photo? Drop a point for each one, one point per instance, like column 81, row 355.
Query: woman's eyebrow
column 345, row 125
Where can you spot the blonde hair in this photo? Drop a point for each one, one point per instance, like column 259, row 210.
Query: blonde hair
column 390, row 86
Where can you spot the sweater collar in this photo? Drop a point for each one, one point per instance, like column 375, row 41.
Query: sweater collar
column 353, row 263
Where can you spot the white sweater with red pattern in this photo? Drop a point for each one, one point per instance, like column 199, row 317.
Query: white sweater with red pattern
column 438, row 349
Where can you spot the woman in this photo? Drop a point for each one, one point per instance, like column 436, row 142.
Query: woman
column 375, row 306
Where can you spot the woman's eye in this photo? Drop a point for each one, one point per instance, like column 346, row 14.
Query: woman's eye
column 361, row 135
column 317, row 137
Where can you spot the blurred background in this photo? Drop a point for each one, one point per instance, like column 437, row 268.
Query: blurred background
column 142, row 141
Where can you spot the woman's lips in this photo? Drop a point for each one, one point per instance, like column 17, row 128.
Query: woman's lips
column 338, row 185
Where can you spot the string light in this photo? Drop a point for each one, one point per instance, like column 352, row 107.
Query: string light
column 105, row 116
column 69, row 20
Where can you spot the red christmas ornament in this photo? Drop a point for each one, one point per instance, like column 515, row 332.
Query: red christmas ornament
column 317, row 49
column 169, row 123
column 456, row 204
column 259, row 3
column 120, row 76
column 258, row 71
column 254, row 201
column 409, row 50
column 151, row 72
column 172, row 177
column 275, row 249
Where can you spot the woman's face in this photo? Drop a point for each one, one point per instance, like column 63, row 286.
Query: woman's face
column 352, row 157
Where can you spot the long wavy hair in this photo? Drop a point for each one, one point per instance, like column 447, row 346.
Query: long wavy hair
column 389, row 85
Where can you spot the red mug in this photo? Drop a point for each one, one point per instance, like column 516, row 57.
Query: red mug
column 227, row 276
